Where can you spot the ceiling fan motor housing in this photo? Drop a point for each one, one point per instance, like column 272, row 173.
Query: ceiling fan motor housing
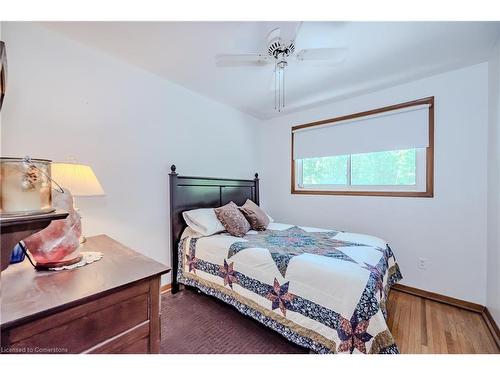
column 280, row 49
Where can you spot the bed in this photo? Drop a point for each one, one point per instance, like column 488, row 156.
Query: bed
column 323, row 289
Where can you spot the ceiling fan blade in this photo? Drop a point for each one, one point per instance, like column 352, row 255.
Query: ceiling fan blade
column 297, row 31
column 242, row 59
column 273, row 34
column 322, row 54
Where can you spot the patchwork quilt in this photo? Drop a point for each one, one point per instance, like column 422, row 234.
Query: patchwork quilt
column 322, row 289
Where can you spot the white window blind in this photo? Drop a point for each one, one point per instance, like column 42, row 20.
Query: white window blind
column 396, row 130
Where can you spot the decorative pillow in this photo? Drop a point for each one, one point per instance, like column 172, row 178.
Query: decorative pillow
column 203, row 221
column 257, row 218
column 232, row 219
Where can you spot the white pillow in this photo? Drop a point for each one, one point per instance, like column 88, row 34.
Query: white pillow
column 203, row 221
column 271, row 220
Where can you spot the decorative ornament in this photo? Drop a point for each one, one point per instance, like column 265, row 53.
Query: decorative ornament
column 58, row 244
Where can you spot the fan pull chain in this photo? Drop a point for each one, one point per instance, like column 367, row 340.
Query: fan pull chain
column 279, row 88
column 275, row 88
column 283, row 88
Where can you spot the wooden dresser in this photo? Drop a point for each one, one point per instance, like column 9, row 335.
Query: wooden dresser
column 110, row 306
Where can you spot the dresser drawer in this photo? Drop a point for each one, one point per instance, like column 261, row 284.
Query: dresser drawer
column 83, row 327
column 133, row 341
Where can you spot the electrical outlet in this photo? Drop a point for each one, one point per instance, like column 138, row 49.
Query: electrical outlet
column 422, row 264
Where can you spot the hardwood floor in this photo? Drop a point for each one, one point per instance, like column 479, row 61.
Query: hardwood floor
column 421, row 325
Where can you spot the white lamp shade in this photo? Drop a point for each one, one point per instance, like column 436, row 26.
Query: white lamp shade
column 79, row 179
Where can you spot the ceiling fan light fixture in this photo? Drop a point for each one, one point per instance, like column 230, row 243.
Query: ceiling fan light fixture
column 282, row 64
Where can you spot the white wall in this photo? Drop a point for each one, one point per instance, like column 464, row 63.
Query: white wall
column 65, row 99
column 448, row 230
column 493, row 212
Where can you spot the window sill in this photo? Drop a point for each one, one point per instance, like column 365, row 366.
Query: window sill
column 415, row 194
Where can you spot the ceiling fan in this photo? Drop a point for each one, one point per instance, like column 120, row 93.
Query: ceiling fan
column 281, row 52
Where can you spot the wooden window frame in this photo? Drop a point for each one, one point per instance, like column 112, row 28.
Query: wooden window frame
column 429, row 183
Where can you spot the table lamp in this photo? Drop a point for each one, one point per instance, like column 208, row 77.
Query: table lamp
column 79, row 179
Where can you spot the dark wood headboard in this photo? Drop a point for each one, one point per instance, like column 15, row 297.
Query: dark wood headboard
column 188, row 193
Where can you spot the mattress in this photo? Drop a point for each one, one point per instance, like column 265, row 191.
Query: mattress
column 325, row 290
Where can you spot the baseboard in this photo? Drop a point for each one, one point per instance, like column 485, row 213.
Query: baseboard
column 492, row 325
column 165, row 288
column 440, row 298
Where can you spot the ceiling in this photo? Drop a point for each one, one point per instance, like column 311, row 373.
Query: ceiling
column 380, row 54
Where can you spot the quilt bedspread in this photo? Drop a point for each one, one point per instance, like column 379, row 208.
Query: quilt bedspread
column 324, row 290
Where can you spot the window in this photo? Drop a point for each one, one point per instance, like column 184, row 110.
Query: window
column 380, row 161
column 386, row 170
